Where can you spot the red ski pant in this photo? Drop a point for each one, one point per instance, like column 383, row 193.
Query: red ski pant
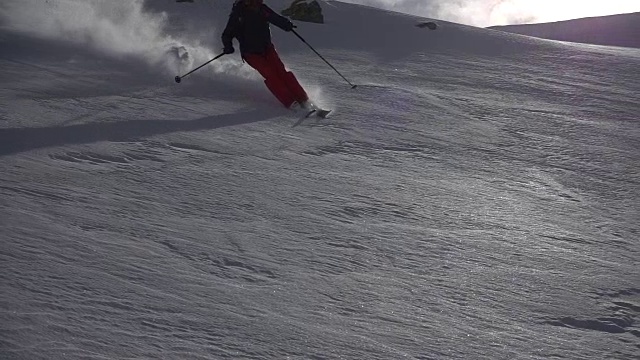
column 282, row 83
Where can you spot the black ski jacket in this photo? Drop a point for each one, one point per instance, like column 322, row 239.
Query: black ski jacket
column 251, row 27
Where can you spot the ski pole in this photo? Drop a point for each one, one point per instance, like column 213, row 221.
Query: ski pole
column 179, row 78
column 325, row 60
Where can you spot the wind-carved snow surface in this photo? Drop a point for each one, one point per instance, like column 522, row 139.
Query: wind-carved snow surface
column 475, row 197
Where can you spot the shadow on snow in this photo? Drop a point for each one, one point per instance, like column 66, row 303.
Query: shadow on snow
column 16, row 140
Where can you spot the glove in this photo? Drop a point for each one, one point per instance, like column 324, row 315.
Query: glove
column 228, row 49
column 289, row 26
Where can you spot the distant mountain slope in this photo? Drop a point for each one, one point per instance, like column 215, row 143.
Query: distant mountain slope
column 614, row 30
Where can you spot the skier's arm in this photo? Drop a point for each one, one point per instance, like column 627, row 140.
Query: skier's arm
column 231, row 30
column 277, row 19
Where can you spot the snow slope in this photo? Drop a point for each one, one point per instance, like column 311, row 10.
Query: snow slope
column 475, row 197
column 614, row 30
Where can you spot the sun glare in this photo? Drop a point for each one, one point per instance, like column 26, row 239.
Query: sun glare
column 520, row 11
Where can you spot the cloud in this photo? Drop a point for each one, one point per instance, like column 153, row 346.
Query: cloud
column 502, row 12
column 471, row 12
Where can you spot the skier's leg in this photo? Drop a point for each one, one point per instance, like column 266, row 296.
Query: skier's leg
column 272, row 79
column 287, row 76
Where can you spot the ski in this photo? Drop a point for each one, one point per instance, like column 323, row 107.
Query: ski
column 305, row 116
column 322, row 113
column 319, row 113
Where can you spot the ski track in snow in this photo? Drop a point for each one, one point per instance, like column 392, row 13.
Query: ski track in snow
column 475, row 197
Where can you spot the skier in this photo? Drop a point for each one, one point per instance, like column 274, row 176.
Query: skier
column 249, row 23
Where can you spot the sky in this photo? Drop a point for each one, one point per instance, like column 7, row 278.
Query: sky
column 504, row 12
